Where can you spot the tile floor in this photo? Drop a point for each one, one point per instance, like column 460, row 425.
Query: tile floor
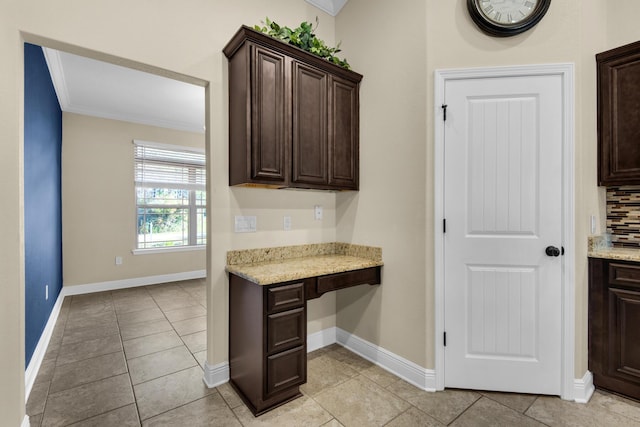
column 134, row 357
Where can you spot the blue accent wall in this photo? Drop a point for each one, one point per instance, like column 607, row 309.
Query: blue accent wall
column 42, row 195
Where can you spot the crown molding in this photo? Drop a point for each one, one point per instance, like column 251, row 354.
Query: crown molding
column 332, row 7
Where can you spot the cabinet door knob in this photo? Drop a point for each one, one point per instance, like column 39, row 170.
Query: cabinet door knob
column 552, row 251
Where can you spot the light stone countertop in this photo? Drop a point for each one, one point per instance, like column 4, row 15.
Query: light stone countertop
column 283, row 264
column 620, row 254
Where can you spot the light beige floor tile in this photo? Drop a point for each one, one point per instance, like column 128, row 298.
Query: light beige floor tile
column 444, row 406
column 137, row 304
column 324, row 372
column 229, row 395
column 37, row 398
column 136, row 330
column 88, row 400
column 127, row 416
column 85, row 371
column 91, row 333
column 169, row 392
column 167, row 303
column 190, row 326
column 46, row 371
column 201, row 357
column 333, row 423
column 488, row 413
column 515, row 401
column 413, row 417
column 94, row 317
column 360, row 401
column 196, row 342
column 35, row 420
column 553, row 411
column 185, row 313
column 146, row 315
column 380, row 376
column 616, row 404
column 155, row 365
column 303, row 411
column 129, row 294
column 210, row 411
column 148, row 344
column 349, row 358
column 70, row 353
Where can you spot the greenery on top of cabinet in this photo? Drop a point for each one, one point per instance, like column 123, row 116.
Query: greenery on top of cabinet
column 304, row 38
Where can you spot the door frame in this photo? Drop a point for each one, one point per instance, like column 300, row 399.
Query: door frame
column 566, row 72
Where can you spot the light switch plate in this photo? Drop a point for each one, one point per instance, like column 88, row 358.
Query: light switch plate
column 246, row 224
column 286, row 223
column 317, row 212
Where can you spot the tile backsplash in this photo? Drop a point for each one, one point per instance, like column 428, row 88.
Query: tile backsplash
column 623, row 215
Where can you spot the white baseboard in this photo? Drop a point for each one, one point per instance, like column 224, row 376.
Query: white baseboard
column 38, row 354
column 583, row 388
column 321, row 339
column 417, row 375
column 132, row 283
column 216, row 375
column 25, row 422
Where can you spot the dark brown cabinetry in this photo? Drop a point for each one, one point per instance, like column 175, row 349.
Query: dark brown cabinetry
column 268, row 334
column 614, row 319
column 618, row 112
column 293, row 117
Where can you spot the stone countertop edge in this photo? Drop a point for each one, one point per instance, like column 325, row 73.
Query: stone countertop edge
column 600, row 247
column 267, row 266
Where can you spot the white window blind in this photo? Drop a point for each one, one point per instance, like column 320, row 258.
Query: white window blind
column 167, row 166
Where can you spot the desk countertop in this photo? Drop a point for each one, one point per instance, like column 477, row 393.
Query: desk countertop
column 282, row 264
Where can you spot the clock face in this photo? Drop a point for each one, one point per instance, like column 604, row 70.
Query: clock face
column 507, row 12
column 505, row 18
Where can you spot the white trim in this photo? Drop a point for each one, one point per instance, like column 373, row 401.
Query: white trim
column 332, row 7
column 568, row 190
column 132, row 283
column 583, row 388
column 215, row 375
column 397, row 365
column 163, row 146
column 25, row 421
column 31, row 372
column 321, row 339
column 168, row 249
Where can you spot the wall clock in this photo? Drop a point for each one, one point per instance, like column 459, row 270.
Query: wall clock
column 504, row 18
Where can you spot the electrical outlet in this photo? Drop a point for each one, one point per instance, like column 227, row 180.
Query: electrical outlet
column 118, row 260
column 317, row 212
column 286, row 223
column 46, row 292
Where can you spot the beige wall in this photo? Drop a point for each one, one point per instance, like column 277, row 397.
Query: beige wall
column 98, row 203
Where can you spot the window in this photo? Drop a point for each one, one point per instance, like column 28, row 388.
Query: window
column 170, row 196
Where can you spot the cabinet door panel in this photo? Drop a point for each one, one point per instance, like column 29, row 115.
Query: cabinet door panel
column 624, row 346
column 343, row 134
column 286, row 369
column 285, row 297
column 309, row 125
column 286, row 330
column 268, row 116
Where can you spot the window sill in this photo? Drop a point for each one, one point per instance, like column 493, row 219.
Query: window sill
column 168, row 249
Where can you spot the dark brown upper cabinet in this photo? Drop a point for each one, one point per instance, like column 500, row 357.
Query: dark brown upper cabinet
column 619, row 115
column 293, row 117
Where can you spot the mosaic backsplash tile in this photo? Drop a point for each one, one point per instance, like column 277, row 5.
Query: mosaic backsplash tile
column 623, row 215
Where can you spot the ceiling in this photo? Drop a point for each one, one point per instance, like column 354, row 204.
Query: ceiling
column 100, row 89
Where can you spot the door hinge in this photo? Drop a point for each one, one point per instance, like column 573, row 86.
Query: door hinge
column 444, row 339
column 444, row 112
column 444, row 225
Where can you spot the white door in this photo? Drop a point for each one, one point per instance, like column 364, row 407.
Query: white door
column 503, row 208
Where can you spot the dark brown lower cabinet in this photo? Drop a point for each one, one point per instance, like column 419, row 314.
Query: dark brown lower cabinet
column 614, row 325
column 268, row 334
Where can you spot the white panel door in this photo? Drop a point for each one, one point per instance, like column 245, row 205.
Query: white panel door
column 503, row 208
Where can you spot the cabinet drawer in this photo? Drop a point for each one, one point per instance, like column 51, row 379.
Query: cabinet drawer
column 286, row 330
column 285, row 297
column 332, row 282
column 624, row 274
column 286, row 369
